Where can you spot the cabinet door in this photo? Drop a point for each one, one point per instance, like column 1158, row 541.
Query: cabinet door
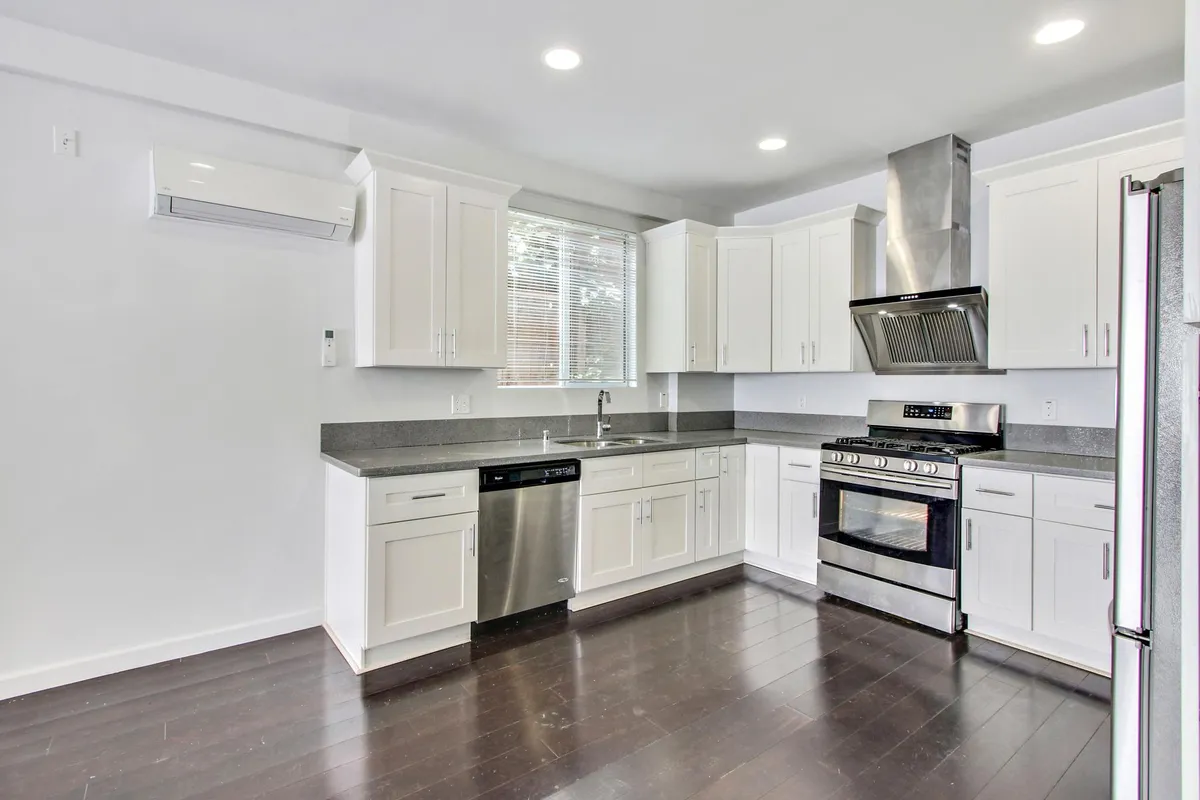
column 762, row 499
column 708, row 518
column 790, row 337
column 733, row 498
column 669, row 527
column 1042, row 269
column 422, row 576
column 610, row 539
column 1142, row 164
column 744, row 305
column 997, row 567
column 476, row 278
column 401, row 272
column 831, row 284
column 701, row 303
column 1072, row 583
column 798, row 523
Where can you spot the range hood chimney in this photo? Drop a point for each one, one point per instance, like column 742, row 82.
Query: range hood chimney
column 932, row 320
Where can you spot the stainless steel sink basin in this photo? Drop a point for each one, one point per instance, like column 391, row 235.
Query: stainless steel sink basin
column 601, row 444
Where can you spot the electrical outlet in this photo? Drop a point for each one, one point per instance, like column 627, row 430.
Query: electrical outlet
column 460, row 404
column 802, row 403
column 662, row 399
column 66, row 141
column 1049, row 409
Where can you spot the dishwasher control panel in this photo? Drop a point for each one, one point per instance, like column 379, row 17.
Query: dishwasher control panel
column 528, row 475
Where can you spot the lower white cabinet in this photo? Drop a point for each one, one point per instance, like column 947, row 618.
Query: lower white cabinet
column 708, row 518
column 422, row 576
column 610, row 528
column 997, row 567
column 762, row 499
column 799, row 525
column 668, row 527
column 733, row 498
column 1072, row 583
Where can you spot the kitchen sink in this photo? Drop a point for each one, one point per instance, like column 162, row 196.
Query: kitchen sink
column 601, row 444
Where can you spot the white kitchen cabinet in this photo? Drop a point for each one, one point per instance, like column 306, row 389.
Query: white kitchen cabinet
column 1072, row 584
column 1042, row 269
column 744, row 304
column 1142, row 164
column 733, row 499
column 799, row 525
column 610, row 538
column 997, row 567
column 708, row 518
column 422, row 577
column 681, row 294
column 430, row 265
column 668, row 527
column 762, row 499
column 791, row 301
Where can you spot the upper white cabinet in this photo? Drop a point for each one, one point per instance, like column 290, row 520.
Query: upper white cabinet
column 744, row 304
column 430, row 265
column 681, row 291
column 1054, row 247
column 791, row 298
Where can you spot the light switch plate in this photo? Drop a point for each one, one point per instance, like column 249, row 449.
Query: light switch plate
column 66, row 141
column 662, row 399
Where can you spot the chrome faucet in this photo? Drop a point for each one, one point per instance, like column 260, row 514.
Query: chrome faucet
column 602, row 425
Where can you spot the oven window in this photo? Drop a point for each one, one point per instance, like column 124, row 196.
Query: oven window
column 885, row 521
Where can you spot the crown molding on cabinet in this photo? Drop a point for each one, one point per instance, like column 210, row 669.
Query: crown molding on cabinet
column 682, row 226
column 367, row 161
column 857, row 212
column 1072, row 155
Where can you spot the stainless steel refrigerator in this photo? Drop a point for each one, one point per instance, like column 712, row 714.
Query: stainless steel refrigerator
column 1147, row 757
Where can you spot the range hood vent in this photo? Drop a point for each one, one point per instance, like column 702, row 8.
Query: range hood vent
column 932, row 321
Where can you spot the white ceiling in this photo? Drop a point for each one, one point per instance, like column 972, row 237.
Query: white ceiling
column 673, row 95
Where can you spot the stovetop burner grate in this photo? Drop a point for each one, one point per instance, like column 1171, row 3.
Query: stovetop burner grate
column 911, row 445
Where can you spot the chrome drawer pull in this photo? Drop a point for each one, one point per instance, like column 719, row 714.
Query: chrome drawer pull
column 981, row 490
column 1104, row 507
column 968, row 534
column 428, row 496
column 1107, row 560
column 802, row 466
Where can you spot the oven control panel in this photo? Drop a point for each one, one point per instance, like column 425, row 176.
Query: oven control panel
column 928, row 412
column 897, row 464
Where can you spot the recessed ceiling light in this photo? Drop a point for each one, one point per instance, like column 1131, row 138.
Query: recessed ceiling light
column 1059, row 31
column 561, row 58
column 772, row 144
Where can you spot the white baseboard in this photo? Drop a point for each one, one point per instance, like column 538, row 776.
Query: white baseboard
column 15, row 684
column 780, row 567
column 1053, row 649
column 606, row 594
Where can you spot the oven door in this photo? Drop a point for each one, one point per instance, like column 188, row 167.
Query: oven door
column 902, row 528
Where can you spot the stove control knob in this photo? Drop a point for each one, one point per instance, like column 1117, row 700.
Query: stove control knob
column 929, row 469
column 880, row 461
column 852, row 458
column 910, row 465
column 836, row 457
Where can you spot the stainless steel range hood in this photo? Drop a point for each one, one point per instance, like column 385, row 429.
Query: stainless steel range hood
column 932, row 320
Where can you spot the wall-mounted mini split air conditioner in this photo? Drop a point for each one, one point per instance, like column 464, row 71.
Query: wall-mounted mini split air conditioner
column 210, row 189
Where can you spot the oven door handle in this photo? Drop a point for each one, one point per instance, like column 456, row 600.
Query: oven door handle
column 933, row 487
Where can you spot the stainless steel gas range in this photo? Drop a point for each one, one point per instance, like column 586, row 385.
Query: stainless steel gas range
column 889, row 510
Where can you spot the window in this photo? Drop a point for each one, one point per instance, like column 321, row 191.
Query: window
column 572, row 303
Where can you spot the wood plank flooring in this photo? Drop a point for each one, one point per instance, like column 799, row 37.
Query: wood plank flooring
column 759, row 688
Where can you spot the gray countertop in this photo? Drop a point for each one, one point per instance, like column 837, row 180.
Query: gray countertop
column 1046, row 463
column 388, row 461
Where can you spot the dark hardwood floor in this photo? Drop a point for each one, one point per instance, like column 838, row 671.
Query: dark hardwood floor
column 754, row 689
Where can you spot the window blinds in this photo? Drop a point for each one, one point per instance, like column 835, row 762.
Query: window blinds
column 572, row 303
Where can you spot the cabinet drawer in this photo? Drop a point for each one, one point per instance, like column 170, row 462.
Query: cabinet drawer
column 1074, row 501
column 419, row 496
column 998, row 490
column 799, row 464
column 610, row 474
column 708, row 463
column 674, row 466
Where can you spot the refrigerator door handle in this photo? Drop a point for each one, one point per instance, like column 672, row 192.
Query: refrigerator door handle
column 1129, row 701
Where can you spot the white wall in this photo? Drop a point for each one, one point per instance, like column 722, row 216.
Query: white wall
column 1085, row 397
column 698, row 391
column 160, row 486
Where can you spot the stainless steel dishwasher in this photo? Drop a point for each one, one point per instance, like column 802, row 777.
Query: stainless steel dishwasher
column 528, row 515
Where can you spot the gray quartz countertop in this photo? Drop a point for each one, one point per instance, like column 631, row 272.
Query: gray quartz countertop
column 388, row 461
column 1046, row 463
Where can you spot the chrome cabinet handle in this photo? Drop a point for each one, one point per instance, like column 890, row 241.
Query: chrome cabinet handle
column 428, row 496
column 1107, row 560
column 982, row 490
column 1085, row 340
column 969, row 534
column 725, row 465
column 639, row 512
column 725, row 355
column 693, row 352
column 802, row 346
column 814, row 352
column 1107, row 349
column 472, row 540
column 454, row 343
column 649, row 509
column 814, row 505
column 702, row 493
column 801, row 466
column 1104, row 507
column 439, row 344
